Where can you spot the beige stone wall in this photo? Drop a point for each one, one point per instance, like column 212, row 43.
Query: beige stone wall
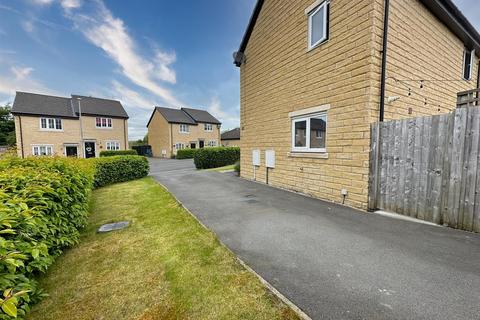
column 32, row 134
column 159, row 136
column 281, row 76
column 422, row 48
column 197, row 133
column 231, row 143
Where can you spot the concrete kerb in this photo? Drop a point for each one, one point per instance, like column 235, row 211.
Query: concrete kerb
column 270, row 287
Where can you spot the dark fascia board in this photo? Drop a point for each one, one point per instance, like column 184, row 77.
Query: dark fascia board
column 43, row 115
column 248, row 32
column 151, row 117
column 102, row 116
column 447, row 12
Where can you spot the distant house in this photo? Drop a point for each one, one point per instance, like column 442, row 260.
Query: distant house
column 231, row 138
column 75, row 126
column 316, row 73
column 170, row 130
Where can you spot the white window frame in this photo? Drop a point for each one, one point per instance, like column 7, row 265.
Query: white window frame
column 308, row 132
column 47, row 124
column 208, row 127
column 112, row 145
column 50, row 146
column 472, row 60
column 108, row 123
column 184, row 128
column 212, row 143
column 311, row 11
column 179, row 146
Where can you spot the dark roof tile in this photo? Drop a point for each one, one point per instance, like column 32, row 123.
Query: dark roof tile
column 231, row 135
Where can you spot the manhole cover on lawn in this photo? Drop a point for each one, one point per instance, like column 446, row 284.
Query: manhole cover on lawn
column 113, row 226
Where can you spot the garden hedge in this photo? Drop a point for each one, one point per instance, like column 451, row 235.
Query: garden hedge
column 115, row 169
column 43, row 203
column 186, row 154
column 216, row 157
column 111, row 153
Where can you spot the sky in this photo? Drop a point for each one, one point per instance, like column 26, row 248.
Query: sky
column 144, row 53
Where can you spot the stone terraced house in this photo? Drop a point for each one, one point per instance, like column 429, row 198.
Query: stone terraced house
column 75, row 126
column 316, row 73
column 170, row 130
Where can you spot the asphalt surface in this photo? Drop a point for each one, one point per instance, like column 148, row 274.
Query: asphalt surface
column 334, row 262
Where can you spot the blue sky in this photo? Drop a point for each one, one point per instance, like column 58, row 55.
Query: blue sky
column 144, row 53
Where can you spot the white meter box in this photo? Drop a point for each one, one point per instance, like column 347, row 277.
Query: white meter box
column 270, row 158
column 256, row 157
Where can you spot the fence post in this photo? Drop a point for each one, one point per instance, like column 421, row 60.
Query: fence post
column 373, row 176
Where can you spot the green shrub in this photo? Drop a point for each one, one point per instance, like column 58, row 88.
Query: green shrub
column 43, row 203
column 186, row 154
column 111, row 153
column 115, row 169
column 216, row 157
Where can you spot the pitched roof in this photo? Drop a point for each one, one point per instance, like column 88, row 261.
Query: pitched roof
column 46, row 105
column 201, row 116
column 231, row 135
column 185, row 116
column 445, row 10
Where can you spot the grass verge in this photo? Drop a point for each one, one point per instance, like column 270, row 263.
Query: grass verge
column 222, row 169
column 164, row 266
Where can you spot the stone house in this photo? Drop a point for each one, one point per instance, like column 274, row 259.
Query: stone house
column 75, row 126
column 231, row 138
column 170, row 130
column 316, row 73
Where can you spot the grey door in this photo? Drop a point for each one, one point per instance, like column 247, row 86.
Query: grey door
column 71, row 151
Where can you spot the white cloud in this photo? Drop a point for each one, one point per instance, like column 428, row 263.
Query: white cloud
column 110, row 34
column 228, row 119
column 28, row 26
column 71, row 4
column 42, row 2
column 130, row 97
column 20, row 79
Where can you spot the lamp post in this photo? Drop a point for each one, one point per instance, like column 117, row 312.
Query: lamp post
column 81, row 126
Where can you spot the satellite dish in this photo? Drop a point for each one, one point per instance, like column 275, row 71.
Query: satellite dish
column 239, row 58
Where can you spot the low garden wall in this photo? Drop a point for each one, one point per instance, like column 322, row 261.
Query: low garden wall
column 43, row 205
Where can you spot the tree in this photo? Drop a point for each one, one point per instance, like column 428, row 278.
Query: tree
column 7, row 126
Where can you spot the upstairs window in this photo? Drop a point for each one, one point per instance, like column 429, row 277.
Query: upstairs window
column 51, row 124
column 184, row 128
column 113, row 145
column 309, row 133
column 103, row 122
column 468, row 64
column 318, row 26
column 208, row 127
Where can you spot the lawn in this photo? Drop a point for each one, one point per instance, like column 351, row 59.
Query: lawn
column 164, row 266
column 222, row 169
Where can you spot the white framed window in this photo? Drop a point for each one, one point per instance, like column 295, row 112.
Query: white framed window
column 184, row 128
column 468, row 59
column 212, row 143
column 42, row 150
column 208, row 127
column 318, row 23
column 105, row 123
column 179, row 146
column 112, row 145
column 309, row 133
column 53, row 124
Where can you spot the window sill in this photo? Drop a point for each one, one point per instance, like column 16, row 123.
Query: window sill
column 312, row 155
column 317, row 45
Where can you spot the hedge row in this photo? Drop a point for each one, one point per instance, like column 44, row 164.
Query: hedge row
column 115, row 169
column 111, row 153
column 43, row 204
column 216, row 157
column 186, row 154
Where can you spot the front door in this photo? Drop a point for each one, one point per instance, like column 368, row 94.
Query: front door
column 89, row 149
column 193, row 145
column 71, row 151
column 201, row 144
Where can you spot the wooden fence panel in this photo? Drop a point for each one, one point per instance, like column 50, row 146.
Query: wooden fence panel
column 428, row 168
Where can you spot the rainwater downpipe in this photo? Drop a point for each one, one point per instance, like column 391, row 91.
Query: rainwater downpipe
column 384, row 60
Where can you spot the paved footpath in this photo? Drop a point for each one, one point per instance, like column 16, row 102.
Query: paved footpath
column 331, row 261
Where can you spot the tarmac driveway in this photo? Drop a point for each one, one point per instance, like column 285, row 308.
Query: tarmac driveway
column 331, row 261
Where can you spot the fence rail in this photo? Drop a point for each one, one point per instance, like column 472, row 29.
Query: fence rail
column 429, row 168
column 468, row 98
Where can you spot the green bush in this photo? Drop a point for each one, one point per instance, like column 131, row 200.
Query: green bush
column 43, row 203
column 237, row 167
column 186, row 154
column 115, row 169
column 216, row 157
column 111, row 153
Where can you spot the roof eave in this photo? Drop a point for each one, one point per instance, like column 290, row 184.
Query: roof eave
column 248, row 32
